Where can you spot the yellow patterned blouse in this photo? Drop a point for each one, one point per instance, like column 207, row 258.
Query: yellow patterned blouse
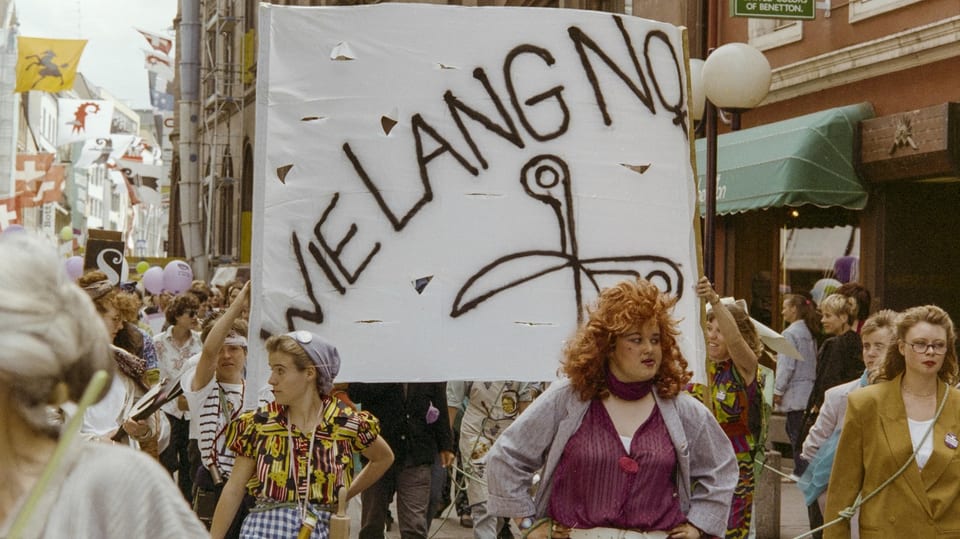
column 264, row 435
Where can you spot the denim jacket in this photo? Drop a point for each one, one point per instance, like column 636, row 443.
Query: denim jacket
column 794, row 379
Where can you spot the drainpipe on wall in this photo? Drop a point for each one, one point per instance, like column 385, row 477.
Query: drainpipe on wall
column 190, row 225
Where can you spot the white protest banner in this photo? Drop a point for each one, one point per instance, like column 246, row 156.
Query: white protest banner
column 440, row 191
column 82, row 119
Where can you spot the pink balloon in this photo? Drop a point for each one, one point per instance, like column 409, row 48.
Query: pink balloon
column 177, row 276
column 153, row 280
column 74, row 267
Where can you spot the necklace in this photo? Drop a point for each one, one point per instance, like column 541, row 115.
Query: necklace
column 304, row 503
column 924, row 395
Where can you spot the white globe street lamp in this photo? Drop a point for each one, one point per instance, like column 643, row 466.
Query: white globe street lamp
column 735, row 77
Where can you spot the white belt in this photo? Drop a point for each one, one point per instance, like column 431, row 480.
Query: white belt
column 615, row 533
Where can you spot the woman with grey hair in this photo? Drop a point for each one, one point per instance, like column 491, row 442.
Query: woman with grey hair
column 295, row 454
column 51, row 344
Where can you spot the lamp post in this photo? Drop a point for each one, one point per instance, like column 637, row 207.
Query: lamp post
column 735, row 77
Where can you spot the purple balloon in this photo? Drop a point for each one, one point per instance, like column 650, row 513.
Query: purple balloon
column 177, row 277
column 153, row 279
column 74, row 267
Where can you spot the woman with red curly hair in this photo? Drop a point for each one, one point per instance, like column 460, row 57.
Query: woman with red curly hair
column 618, row 445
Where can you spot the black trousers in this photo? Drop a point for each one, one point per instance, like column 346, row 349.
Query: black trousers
column 176, row 457
column 205, row 498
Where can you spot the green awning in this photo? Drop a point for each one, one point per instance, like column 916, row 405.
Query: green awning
column 803, row 160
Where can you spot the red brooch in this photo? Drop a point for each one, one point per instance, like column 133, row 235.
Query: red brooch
column 629, row 465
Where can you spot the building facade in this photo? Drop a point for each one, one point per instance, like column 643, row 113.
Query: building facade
column 900, row 58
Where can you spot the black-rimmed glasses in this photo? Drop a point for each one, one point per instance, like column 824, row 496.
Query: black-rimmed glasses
column 920, row 347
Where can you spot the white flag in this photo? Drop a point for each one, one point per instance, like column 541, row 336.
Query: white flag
column 158, row 42
column 159, row 63
column 100, row 151
column 82, row 119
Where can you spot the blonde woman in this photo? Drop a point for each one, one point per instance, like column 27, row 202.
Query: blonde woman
column 295, row 453
column 840, row 357
column 898, row 448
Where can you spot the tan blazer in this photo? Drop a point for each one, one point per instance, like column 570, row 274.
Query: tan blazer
column 874, row 443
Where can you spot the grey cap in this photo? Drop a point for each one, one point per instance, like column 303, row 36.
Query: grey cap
column 323, row 354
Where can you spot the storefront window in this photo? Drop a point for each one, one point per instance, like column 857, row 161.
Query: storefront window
column 816, row 260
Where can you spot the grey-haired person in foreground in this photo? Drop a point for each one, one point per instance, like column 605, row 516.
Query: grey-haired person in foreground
column 51, row 343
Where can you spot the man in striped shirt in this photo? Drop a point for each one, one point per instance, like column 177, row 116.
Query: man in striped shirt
column 214, row 389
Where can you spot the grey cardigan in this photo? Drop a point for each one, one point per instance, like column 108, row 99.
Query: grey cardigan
column 535, row 441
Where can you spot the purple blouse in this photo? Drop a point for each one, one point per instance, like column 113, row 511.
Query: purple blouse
column 596, row 484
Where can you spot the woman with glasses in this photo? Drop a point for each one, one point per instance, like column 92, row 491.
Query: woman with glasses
column 898, row 449
column 620, row 446
column 294, row 454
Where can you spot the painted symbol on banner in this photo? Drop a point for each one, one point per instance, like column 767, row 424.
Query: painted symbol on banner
column 541, row 178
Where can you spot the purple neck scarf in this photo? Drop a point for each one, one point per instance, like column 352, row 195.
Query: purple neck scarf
column 628, row 391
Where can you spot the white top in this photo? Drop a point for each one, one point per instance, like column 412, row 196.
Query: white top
column 626, row 442
column 107, row 415
column 173, row 361
column 186, row 379
column 100, row 490
column 830, row 418
column 917, row 430
column 209, row 418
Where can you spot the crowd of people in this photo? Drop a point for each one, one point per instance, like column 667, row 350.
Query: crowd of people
column 117, row 426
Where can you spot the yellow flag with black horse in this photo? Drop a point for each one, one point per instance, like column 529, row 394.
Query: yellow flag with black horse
column 47, row 65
